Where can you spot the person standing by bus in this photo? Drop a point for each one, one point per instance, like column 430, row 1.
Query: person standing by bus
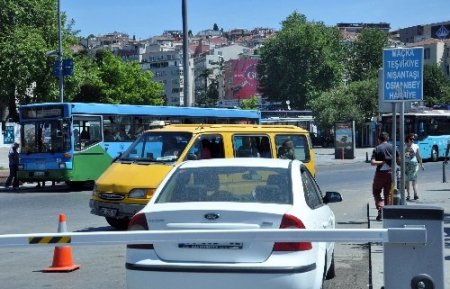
column 382, row 157
column 13, row 157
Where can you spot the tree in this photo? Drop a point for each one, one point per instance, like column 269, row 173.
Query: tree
column 436, row 87
column 250, row 103
column 301, row 61
column 215, row 27
column 356, row 101
column 366, row 54
column 27, row 32
column 108, row 79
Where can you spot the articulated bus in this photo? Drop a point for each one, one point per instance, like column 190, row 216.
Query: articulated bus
column 431, row 126
column 76, row 142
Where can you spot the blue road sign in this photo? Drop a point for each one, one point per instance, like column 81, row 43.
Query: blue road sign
column 57, row 68
column 403, row 74
column 67, row 67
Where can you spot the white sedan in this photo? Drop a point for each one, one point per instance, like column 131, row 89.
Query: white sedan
column 237, row 194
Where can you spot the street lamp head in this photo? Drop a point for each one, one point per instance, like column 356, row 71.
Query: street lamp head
column 53, row 53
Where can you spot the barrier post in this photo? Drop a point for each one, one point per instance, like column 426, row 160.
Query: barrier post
column 425, row 262
column 444, row 178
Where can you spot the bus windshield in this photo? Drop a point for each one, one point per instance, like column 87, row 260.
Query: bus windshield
column 46, row 136
column 157, row 147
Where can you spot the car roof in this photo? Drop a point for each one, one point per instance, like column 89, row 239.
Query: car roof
column 241, row 162
column 253, row 128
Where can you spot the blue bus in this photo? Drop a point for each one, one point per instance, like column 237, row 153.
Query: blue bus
column 431, row 126
column 76, row 142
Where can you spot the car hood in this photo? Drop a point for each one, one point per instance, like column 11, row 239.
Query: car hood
column 122, row 177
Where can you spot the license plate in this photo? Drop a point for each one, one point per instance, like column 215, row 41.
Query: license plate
column 39, row 174
column 108, row 212
column 228, row 246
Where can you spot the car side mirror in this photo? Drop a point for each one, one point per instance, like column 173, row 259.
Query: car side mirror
column 332, row 197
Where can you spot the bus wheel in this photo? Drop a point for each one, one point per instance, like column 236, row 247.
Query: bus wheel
column 434, row 154
column 121, row 224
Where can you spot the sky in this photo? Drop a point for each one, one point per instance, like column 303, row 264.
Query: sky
column 146, row 18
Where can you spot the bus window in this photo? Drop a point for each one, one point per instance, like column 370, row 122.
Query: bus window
column 86, row 131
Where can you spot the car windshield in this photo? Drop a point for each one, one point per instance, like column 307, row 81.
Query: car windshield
column 157, row 147
column 228, row 184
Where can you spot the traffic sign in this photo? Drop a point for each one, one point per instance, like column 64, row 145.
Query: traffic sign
column 66, row 67
column 403, row 74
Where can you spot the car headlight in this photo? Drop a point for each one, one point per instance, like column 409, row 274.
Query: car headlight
column 139, row 193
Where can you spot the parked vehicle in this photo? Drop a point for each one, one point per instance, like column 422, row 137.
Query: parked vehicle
column 235, row 194
column 128, row 184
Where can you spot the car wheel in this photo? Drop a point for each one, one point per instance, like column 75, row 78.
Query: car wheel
column 331, row 273
column 121, row 224
column 434, row 154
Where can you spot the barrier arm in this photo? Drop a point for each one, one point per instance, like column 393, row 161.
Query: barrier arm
column 407, row 235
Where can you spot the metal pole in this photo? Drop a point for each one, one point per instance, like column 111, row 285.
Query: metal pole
column 444, row 178
column 185, row 54
column 402, row 152
column 60, row 55
column 394, row 142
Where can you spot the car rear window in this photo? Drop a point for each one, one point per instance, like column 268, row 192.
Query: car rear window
column 228, row 184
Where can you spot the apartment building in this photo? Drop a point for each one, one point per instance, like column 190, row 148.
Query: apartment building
column 422, row 32
column 435, row 51
column 166, row 63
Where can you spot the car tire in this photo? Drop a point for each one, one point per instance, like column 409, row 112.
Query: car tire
column 331, row 273
column 434, row 154
column 121, row 224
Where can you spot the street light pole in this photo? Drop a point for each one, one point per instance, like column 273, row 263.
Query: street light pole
column 60, row 55
column 185, row 53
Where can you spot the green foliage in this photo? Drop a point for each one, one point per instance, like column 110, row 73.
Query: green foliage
column 436, row 87
column 366, row 54
column 301, row 61
column 357, row 101
column 110, row 80
column 250, row 103
column 27, row 31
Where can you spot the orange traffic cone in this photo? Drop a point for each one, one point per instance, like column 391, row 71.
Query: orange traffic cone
column 62, row 256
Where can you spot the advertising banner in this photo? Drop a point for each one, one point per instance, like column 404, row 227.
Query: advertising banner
column 344, row 143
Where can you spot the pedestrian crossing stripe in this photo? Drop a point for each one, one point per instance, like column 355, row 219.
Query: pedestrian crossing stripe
column 49, row 240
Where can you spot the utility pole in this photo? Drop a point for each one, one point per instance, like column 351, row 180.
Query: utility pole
column 60, row 55
column 185, row 54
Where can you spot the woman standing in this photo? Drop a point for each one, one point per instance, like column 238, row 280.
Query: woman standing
column 412, row 162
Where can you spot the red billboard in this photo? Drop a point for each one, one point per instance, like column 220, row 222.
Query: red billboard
column 240, row 77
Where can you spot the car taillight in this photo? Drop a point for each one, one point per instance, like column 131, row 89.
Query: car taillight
column 139, row 222
column 291, row 222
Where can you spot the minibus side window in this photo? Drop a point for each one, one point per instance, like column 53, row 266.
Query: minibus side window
column 247, row 146
column 207, row 147
column 297, row 143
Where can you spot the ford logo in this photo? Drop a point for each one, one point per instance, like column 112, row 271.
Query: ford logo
column 211, row 216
